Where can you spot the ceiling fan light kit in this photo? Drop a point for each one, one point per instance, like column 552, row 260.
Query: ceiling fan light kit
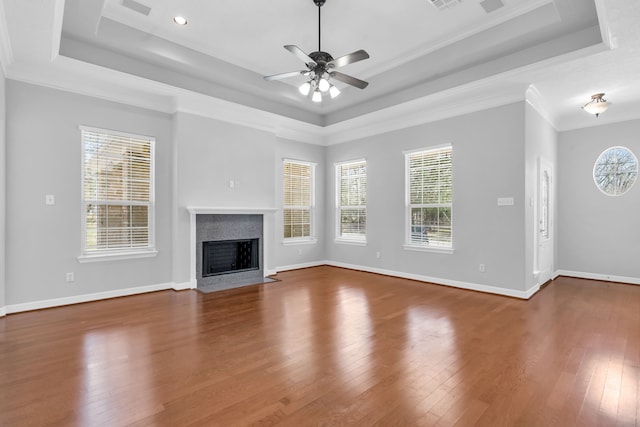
column 320, row 68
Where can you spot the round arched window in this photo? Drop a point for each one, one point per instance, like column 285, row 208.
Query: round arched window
column 615, row 171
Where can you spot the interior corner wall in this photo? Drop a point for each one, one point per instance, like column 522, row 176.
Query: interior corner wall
column 292, row 256
column 541, row 140
column 598, row 234
column 488, row 162
column 211, row 153
column 3, row 183
column 44, row 157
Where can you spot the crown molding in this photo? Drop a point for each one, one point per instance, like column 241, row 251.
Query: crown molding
column 535, row 99
column 227, row 111
column 605, row 29
column 56, row 32
column 6, row 53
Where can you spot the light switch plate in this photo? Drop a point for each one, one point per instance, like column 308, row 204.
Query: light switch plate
column 49, row 199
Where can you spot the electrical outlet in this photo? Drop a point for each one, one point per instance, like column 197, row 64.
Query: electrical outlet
column 299, row 251
column 49, row 199
column 378, row 254
column 481, row 268
column 70, row 277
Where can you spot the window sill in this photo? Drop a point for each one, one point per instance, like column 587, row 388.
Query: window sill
column 353, row 242
column 300, row 241
column 433, row 249
column 117, row 256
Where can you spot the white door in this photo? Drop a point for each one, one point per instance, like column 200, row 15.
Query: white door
column 545, row 221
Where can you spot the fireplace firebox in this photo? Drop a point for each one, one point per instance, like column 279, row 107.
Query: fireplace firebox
column 229, row 256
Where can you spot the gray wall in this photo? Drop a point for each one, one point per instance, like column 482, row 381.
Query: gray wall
column 209, row 154
column 295, row 255
column 598, row 234
column 3, row 181
column 43, row 157
column 541, row 141
column 495, row 155
column 488, row 156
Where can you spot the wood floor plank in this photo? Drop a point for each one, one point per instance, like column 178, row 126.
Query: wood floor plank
column 329, row 346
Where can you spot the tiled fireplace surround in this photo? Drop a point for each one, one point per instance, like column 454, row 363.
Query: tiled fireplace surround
column 205, row 226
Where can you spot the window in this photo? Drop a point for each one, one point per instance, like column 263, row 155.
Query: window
column 615, row 171
column 351, row 201
column 298, row 209
column 117, row 193
column 429, row 198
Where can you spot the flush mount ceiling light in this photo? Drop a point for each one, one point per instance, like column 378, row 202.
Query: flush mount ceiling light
column 320, row 68
column 180, row 20
column 597, row 105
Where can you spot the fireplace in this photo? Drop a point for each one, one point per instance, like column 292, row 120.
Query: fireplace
column 229, row 256
column 219, row 224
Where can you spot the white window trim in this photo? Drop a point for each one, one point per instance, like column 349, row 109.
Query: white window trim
column 126, row 253
column 117, row 256
column 425, row 248
column 292, row 241
column 356, row 240
column 352, row 242
column 408, row 246
column 311, row 239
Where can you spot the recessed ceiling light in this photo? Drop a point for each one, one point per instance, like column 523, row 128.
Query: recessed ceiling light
column 180, row 20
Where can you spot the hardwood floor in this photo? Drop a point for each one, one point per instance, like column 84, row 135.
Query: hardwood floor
column 328, row 346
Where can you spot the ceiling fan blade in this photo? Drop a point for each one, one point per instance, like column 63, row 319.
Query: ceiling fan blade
column 300, row 54
column 360, row 84
column 356, row 56
column 285, row 75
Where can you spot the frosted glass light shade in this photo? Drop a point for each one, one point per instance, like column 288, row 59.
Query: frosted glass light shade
column 317, row 96
column 334, row 91
column 323, row 85
column 305, row 88
column 597, row 105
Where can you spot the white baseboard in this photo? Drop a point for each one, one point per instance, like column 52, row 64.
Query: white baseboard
column 596, row 276
column 183, row 286
column 532, row 291
column 3, row 311
column 299, row 266
column 56, row 302
column 447, row 282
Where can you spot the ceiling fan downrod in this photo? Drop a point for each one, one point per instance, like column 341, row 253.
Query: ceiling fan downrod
column 319, row 3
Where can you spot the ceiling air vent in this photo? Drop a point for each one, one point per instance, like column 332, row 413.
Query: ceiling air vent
column 491, row 5
column 444, row 4
column 138, row 7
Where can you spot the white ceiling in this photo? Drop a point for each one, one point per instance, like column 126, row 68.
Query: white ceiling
column 424, row 61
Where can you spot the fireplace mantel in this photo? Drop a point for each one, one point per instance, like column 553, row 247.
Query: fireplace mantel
column 267, row 225
column 204, row 210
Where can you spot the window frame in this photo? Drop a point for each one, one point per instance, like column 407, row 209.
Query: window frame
column 355, row 240
column 424, row 247
column 304, row 240
column 595, row 170
column 147, row 251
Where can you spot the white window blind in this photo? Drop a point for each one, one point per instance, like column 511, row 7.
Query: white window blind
column 351, row 198
column 117, row 191
column 298, row 181
column 430, row 196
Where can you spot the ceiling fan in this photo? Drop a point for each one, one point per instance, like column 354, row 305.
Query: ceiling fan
column 321, row 68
